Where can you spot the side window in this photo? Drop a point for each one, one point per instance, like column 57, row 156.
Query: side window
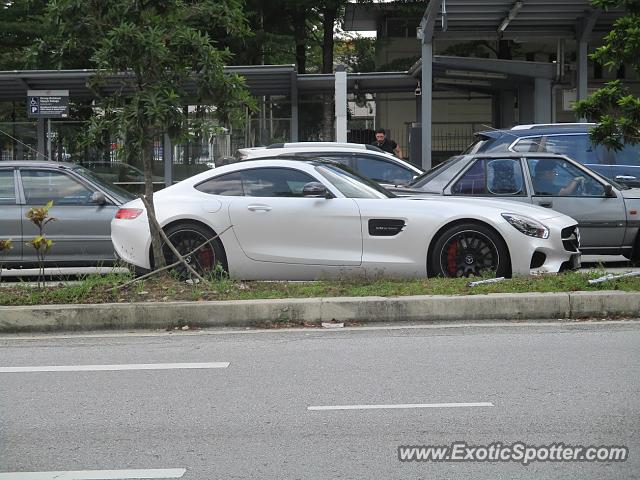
column 40, row 186
column 229, row 185
column 473, row 181
column 578, row 147
column 556, row 177
column 274, row 182
column 382, row 170
column 344, row 159
column 528, row 145
column 7, row 189
column 629, row 155
column 504, row 177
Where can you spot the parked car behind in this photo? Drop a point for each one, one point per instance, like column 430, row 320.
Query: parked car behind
column 571, row 139
column 367, row 160
column 608, row 213
column 308, row 219
column 83, row 206
column 124, row 175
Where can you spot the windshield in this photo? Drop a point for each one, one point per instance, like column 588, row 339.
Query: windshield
column 431, row 173
column 118, row 193
column 350, row 184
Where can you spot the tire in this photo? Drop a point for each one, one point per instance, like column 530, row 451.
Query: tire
column 186, row 237
column 634, row 257
column 470, row 249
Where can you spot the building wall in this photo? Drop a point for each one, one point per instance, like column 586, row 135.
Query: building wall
column 461, row 112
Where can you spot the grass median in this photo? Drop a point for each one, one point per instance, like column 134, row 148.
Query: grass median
column 105, row 289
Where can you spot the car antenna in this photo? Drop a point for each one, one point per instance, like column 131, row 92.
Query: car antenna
column 25, row 145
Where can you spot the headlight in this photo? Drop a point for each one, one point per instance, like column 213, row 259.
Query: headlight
column 527, row 225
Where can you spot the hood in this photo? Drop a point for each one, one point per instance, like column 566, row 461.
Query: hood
column 631, row 193
column 505, row 206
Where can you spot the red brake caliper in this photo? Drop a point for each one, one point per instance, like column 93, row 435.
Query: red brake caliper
column 205, row 257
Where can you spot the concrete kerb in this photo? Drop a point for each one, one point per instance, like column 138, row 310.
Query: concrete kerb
column 255, row 313
column 604, row 304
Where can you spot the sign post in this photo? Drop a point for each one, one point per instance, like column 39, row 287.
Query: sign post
column 46, row 104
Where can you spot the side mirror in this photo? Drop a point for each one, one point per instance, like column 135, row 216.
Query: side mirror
column 315, row 190
column 608, row 191
column 99, row 198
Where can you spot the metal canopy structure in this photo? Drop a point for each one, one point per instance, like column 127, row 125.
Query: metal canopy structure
column 260, row 79
column 494, row 19
column 521, row 19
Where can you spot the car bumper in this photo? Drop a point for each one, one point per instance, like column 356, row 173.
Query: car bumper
column 555, row 254
column 131, row 240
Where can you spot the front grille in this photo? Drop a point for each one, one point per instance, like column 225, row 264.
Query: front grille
column 571, row 238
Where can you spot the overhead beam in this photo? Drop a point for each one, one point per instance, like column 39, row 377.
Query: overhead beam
column 585, row 25
column 427, row 24
column 513, row 13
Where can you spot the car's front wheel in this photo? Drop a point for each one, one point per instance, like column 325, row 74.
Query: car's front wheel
column 186, row 237
column 470, row 249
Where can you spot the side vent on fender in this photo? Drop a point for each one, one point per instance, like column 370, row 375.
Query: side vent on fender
column 385, row 227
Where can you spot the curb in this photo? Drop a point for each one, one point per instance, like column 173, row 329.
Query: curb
column 260, row 313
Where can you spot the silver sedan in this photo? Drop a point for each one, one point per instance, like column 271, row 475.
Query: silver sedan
column 83, row 206
column 608, row 214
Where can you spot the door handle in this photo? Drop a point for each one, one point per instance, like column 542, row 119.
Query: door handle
column 546, row 204
column 259, row 208
column 625, row 177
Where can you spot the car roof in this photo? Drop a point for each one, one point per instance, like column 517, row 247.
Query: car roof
column 520, row 131
column 341, row 145
column 36, row 163
column 510, row 154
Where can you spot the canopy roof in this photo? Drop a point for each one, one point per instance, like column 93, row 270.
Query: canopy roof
column 492, row 19
column 260, row 79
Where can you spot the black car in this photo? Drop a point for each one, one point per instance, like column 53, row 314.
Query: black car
column 570, row 139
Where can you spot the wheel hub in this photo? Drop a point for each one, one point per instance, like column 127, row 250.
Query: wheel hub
column 469, row 253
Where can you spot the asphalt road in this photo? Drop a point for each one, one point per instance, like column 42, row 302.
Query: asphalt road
column 266, row 415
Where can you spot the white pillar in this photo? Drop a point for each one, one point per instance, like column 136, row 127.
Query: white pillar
column 341, row 103
column 581, row 90
column 542, row 102
column 426, row 87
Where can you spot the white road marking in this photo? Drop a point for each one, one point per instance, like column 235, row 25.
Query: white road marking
column 98, row 368
column 96, row 474
column 401, row 405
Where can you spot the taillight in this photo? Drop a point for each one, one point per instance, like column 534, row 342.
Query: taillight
column 128, row 213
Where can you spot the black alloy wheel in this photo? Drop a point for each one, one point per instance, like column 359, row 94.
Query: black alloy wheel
column 186, row 238
column 470, row 250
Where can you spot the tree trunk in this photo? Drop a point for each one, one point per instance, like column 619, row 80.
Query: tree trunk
column 504, row 49
column 147, row 159
column 300, row 37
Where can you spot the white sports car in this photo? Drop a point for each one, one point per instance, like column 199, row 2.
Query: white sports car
column 311, row 219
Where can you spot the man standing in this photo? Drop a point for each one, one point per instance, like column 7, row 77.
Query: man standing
column 383, row 143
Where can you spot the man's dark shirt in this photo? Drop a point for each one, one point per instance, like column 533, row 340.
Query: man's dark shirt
column 543, row 186
column 386, row 145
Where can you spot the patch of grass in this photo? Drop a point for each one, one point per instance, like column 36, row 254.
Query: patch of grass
column 103, row 289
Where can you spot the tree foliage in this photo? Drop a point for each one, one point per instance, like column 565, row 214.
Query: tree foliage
column 614, row 107
column 21, row 24
column 165, row 60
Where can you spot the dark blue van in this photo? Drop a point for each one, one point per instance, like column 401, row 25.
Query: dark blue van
column 571, row 139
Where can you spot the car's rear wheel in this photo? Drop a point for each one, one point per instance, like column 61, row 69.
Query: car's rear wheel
column 186, row 237
column 470, row 249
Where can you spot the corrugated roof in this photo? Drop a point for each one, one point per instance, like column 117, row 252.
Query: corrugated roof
column 482, row 19
column 260, row 79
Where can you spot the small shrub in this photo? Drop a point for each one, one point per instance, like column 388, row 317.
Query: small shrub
column 39, row 216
